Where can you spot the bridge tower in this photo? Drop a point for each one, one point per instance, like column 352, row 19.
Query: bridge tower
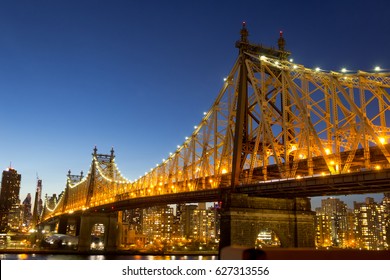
column 242, row 216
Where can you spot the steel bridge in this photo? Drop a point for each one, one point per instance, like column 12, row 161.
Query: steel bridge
column 276, row 129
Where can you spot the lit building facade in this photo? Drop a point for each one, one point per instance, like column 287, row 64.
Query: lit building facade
column 158, row 223
column 26, row 208
column 10, row 210
column 333, row 226
column 370, row 225
column 131, row 228
column 204, row 226
column 386, row 214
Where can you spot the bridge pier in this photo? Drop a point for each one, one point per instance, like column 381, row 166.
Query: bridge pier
column 244, row 217
column 69, row 224
column 110, row 222
column 62, row 224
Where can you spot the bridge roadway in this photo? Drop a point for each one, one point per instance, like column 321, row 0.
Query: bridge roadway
column 358, row 181
column 370, row 181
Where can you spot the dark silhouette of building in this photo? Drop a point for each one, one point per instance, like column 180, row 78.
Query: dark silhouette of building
column 26, row 208
column 9, row 199
column 38, row 205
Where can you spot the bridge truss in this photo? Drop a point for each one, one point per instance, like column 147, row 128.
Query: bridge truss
column 272, row 119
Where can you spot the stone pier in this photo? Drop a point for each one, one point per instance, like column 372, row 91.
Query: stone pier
column 243, row 217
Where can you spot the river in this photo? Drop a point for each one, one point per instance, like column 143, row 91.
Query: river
column 59, row 256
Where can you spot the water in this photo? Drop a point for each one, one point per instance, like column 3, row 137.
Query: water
column 103, row 257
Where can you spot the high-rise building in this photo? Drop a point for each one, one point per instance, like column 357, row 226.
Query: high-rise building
column 332, row 223
column 26, row 208
column 204, row 226
column 158, row 223
column 38, row 205
column 197, row 223
column 370, row 228
column 9, row 200
column 386, row 218
column 187, row 220
column 134, row 218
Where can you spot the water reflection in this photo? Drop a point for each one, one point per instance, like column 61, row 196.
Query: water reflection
column 103, row 257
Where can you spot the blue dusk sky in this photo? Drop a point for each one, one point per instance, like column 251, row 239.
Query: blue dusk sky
column 138, row 75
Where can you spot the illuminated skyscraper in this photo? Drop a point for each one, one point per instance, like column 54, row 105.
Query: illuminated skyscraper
column 9, row 200
column 332, row 224
column 158, row 223
column 204, row 226
column 370, row 229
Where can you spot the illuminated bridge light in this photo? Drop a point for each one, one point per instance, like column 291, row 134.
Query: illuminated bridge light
column 377, row 68
column 293, row 148
column 344, row 70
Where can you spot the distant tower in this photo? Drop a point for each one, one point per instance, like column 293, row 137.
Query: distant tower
column 282, row 47
column 37, row 203
column 27, row 215
column 9, row 199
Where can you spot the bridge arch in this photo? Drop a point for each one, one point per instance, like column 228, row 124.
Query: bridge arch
column 244, row 217
column 267, row 238
column 98, row 232
column 91, row 224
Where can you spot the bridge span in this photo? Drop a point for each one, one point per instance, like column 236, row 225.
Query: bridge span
column 277, row 133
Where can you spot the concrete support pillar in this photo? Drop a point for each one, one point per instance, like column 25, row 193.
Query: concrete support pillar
column 243, row 217
column 62, row 224
column 110, row 222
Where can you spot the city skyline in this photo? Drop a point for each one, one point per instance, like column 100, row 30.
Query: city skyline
column 75, row 75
